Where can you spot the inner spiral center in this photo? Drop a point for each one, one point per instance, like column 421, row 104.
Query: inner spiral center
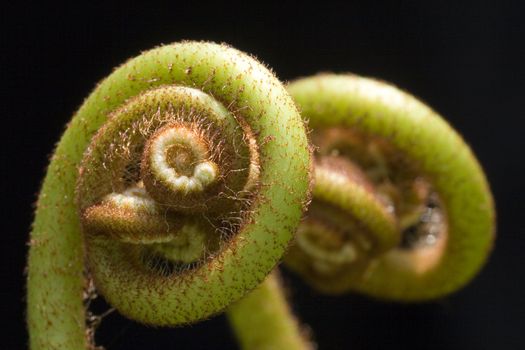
column 181, row 158
column 178, row 160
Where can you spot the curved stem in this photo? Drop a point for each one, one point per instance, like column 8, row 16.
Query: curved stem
column 262, row 320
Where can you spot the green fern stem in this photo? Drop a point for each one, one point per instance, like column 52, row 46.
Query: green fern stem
column 263, row 319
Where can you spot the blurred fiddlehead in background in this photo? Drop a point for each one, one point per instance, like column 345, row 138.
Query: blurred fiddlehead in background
column 401, row 208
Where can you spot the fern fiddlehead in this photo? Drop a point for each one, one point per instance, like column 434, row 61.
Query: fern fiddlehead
column 186, row 171
column 401, row 208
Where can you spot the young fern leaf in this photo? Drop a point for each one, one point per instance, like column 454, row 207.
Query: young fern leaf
column 180, row 181
column 401, row 208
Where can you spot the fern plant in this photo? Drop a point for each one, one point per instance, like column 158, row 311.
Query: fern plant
column 181, row 181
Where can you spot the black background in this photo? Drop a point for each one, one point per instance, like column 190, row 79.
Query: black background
column 466, row 59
